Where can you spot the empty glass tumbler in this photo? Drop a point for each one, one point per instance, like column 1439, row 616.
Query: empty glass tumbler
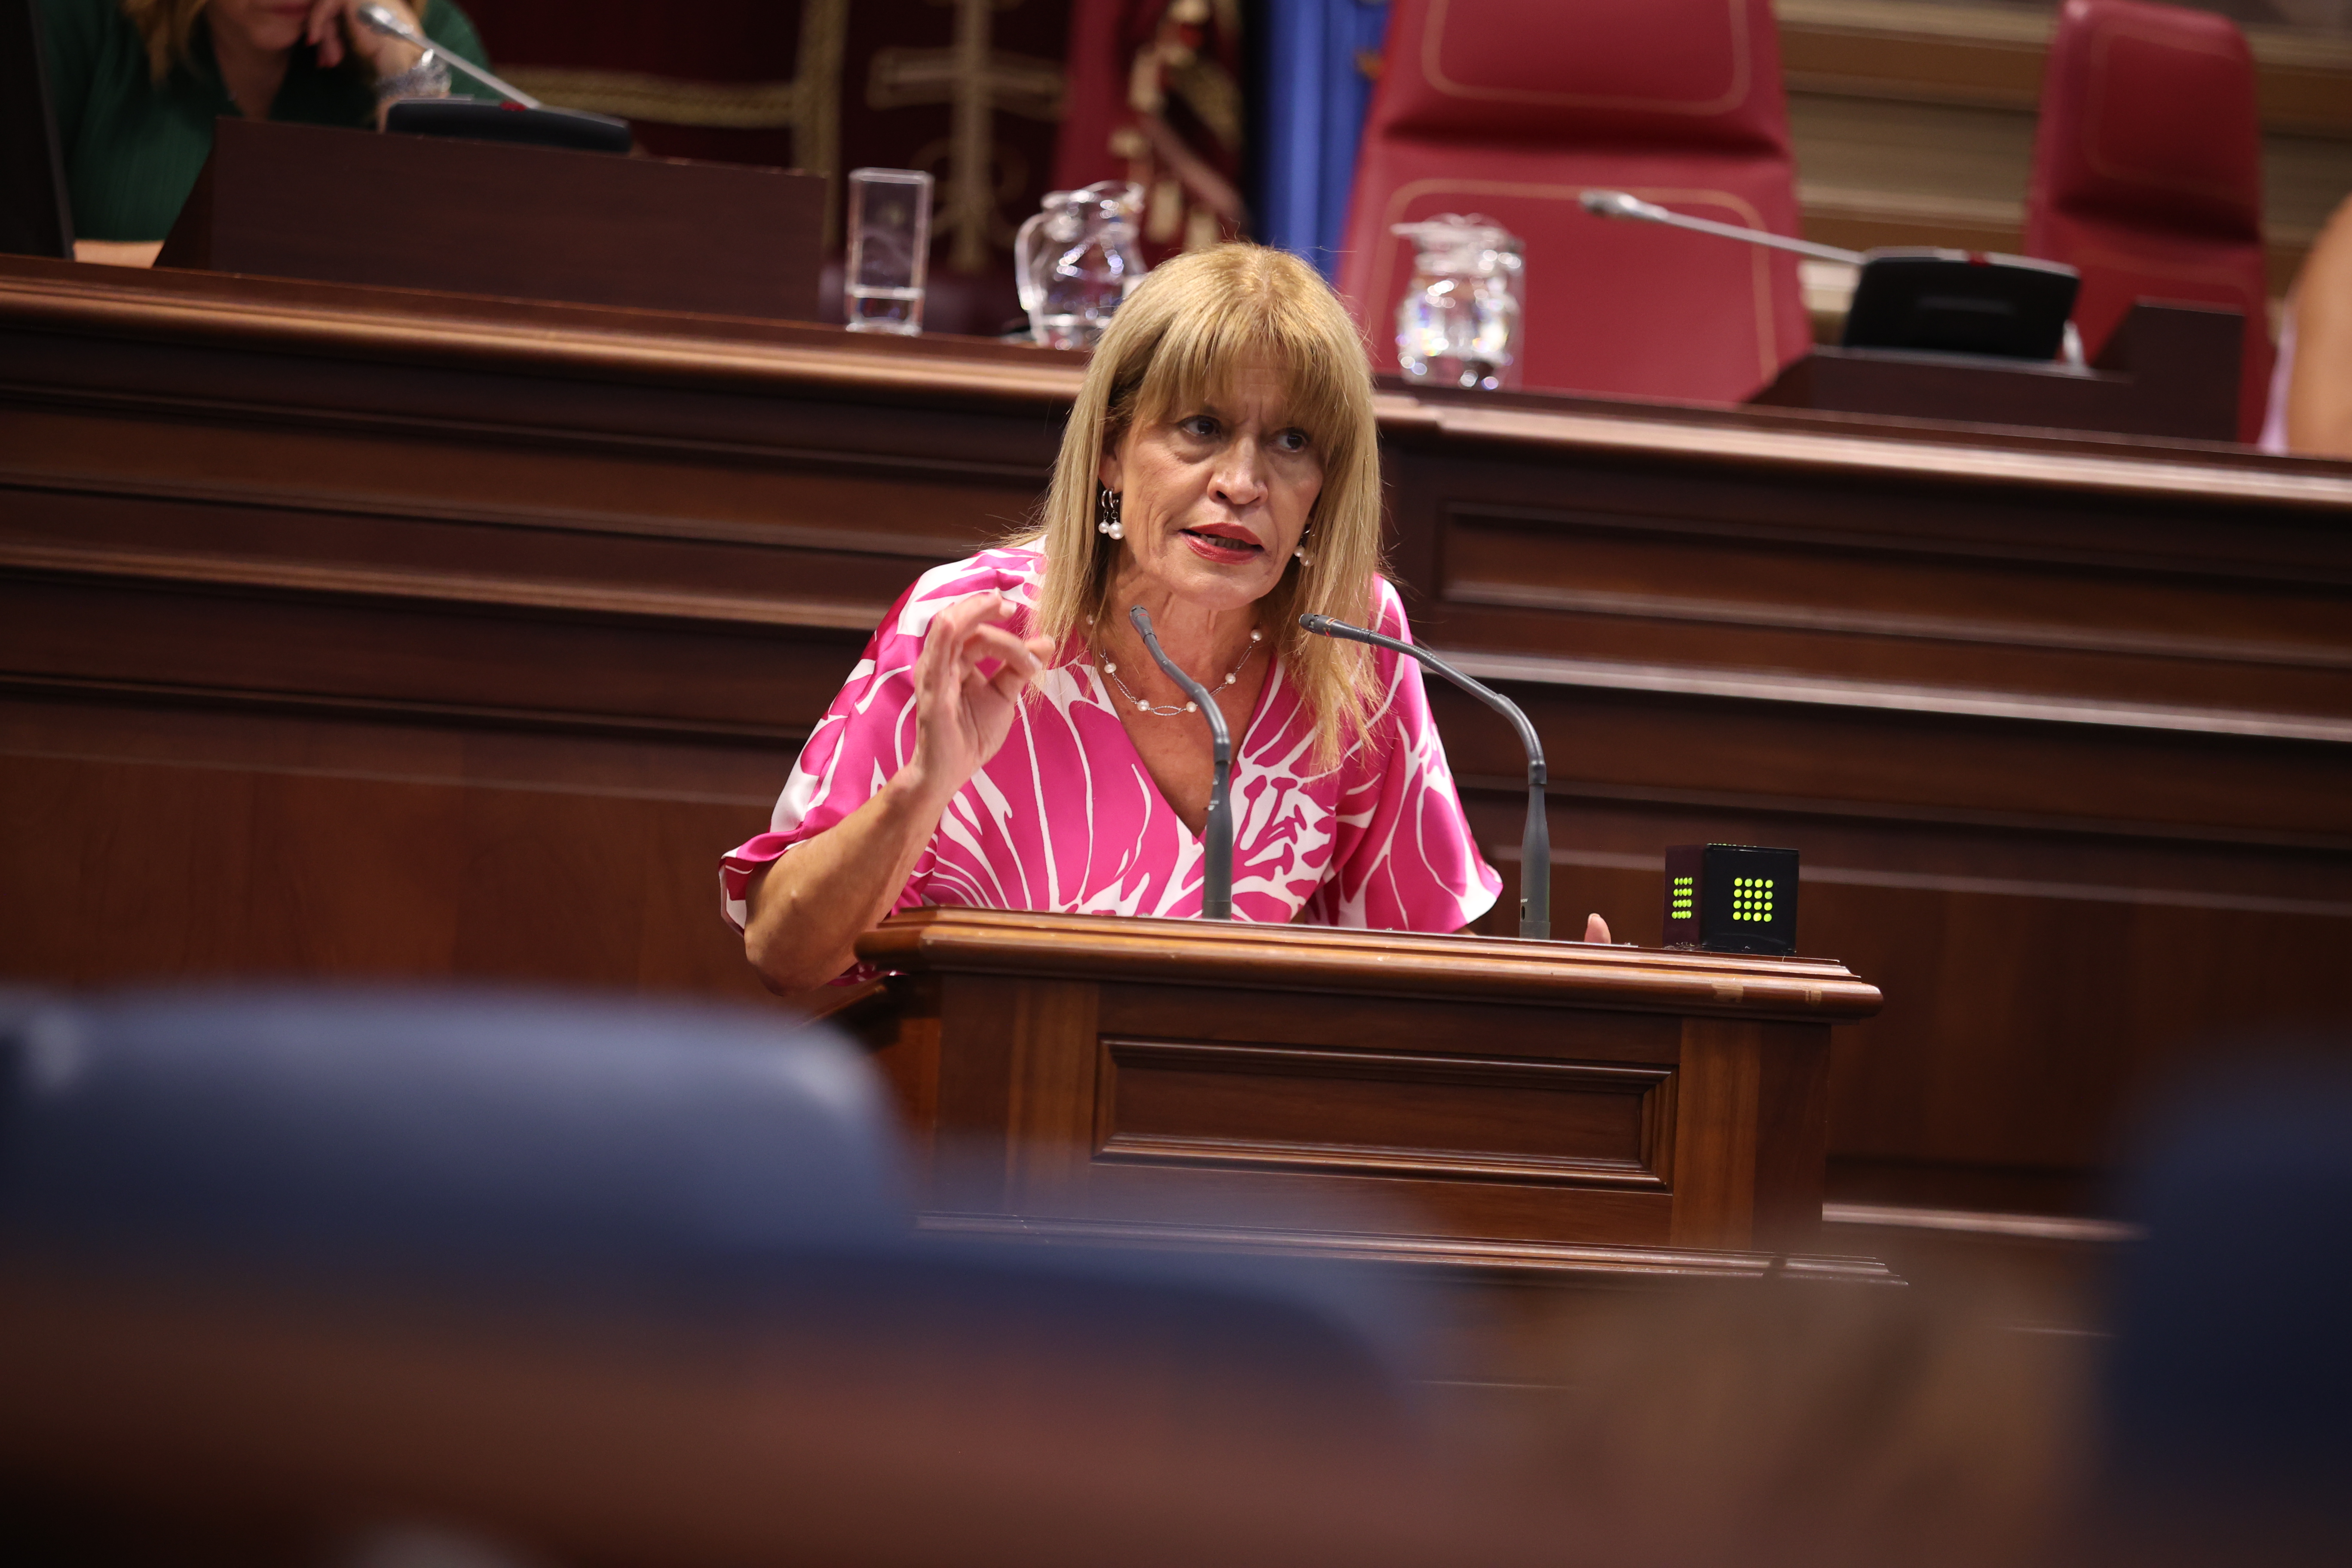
column 889, row 243
column 1459, row 322
column 1076, row 260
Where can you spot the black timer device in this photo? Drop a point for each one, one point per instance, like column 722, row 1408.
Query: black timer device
column 1731, row 897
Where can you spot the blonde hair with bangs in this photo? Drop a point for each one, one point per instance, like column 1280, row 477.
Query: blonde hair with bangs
column 1176, row 343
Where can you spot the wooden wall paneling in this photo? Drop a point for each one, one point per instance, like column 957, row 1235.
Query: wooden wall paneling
column 515, row 660
column 2038, row 976
column 414, row 529
column 160, row 843
column 1796, row 745
column 2069, row 767
column 294, row 575
column 1670, row 590
column 795, row 514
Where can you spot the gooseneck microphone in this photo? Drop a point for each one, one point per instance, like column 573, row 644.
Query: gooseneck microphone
column 1623, row 205
column 1217, row 832
column 376, row 18
column 1535, row 845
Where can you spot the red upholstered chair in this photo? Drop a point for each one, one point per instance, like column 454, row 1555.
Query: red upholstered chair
column 1513, row 107
column 2148, row 172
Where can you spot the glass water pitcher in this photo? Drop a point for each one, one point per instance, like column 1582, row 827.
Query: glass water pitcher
column 1459, row 322
column 1076, row 260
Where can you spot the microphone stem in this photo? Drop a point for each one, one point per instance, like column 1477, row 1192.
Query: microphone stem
column 1217, row 831
column 1534, row 843
column 1607, row 204
column 384, row 22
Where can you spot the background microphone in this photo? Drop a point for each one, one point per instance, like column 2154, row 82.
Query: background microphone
column 1217, row 832
column 376, row 18
column 1623, row 205
column 1535, row 846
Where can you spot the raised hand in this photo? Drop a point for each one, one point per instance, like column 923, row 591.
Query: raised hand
column 968, row 686
column 808, row 908
column 334, row 27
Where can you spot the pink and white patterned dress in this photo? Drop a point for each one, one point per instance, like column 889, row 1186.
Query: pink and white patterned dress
column 1066, row 817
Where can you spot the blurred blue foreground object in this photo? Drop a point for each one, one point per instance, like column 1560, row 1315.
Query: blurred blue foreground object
column 484, row 1135
column 2230, row 1386
column 680, row 1156
column 682, row 1162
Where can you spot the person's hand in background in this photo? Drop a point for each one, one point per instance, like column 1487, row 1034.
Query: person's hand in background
column 335, row 28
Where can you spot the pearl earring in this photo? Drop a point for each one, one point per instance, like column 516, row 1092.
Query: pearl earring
column 1107, row 504
column 1300, row 554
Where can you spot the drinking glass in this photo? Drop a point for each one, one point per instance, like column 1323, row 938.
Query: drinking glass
column 890, row 243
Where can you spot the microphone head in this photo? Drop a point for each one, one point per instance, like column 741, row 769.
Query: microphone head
column 1140, row 620
column 1611, row 203
column 381, row 20
column 1319, row 624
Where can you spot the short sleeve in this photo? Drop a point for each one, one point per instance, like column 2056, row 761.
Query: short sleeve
column 866, row 737
column 859, row 744
column 1403, row 857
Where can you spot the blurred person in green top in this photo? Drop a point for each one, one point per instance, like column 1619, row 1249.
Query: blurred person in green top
column 137, row 84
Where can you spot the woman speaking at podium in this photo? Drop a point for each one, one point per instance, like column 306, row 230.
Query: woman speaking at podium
column 137, row 84
column 1007, row 742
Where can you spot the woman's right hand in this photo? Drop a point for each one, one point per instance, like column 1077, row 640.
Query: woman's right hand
column 962, row 713
column 808, row 909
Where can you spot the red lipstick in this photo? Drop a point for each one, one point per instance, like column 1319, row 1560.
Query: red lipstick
column 1223, row 542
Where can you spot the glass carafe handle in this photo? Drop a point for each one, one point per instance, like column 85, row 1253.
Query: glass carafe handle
column 1025, row 276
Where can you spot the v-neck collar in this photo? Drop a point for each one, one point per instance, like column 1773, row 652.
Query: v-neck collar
column 1240, row 743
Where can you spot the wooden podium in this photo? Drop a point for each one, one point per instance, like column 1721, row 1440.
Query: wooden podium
column 491, row 217
column 1499, row 1105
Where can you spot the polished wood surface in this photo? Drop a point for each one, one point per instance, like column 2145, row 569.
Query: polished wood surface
column 1512, row 1095
column 487, row 217
column 370, row 631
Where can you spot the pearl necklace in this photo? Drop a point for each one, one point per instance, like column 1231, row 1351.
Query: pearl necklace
column 1111, row 670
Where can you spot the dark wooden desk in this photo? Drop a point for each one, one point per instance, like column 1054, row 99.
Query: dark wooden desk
column 352, row 631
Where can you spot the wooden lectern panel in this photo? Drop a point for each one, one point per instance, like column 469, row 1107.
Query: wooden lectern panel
column 487, row 218
column 1398, row 1088
column 1194, row 1104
